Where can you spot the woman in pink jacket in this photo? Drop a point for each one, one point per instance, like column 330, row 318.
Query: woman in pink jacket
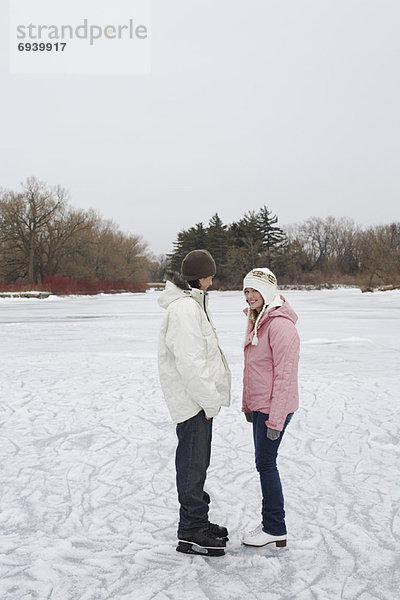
column 270, row 392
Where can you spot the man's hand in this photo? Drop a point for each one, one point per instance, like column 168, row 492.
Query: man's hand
column 273, row 434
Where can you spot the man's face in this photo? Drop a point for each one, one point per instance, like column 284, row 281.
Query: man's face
column 205, row 283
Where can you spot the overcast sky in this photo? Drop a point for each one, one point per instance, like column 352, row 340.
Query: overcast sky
column 289, row 103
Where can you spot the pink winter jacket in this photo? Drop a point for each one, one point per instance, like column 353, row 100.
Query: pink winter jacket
column 270, row 368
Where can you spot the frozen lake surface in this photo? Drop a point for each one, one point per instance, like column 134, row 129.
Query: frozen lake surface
column 88, row 501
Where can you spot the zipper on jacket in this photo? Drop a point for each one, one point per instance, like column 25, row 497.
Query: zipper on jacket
column 204, row 307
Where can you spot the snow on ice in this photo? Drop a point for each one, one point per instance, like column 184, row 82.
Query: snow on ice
column 88, row 501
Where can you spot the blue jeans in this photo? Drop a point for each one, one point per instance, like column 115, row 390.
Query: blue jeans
column 266, row 453
column 191, row 462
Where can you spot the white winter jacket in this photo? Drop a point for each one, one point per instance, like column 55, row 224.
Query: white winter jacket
column 193, row 371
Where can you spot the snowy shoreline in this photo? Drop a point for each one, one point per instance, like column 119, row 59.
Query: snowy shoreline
column 284, row 288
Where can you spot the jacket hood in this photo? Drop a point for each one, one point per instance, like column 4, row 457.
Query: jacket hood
column 177, row 279
column 285, row 311
column 175, row 287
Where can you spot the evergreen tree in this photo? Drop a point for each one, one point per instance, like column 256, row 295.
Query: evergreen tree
column 244, row 249
column 274, row 240
column 187, row 240
column 217, row 243
column 246, row 233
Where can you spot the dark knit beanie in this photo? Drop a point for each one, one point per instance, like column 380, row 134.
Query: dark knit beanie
column 197, row 265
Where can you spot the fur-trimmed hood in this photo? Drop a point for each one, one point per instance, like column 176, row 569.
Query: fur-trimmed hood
column 176, row 287
column 177, row 279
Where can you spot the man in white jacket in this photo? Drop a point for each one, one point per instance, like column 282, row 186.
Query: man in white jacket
column 195, row 380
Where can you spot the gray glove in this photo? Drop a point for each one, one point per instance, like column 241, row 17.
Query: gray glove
column 249, row 417
column 273, row 434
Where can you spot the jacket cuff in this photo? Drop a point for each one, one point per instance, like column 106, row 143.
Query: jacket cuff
column 273, row 425
column 211, row 412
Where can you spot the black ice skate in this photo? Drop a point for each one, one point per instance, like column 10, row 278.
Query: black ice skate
column 202, row 542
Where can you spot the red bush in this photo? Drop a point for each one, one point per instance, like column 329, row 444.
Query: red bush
column 66, row 285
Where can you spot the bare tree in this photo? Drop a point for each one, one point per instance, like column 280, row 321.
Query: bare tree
column 23, row 221
column 380, row 253
column 63, row 239
column 41, row 236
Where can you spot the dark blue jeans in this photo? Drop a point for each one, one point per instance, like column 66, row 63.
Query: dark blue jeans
column 191, row 461
column 266, row 453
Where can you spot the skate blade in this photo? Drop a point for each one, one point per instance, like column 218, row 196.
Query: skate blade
column 221, row 547
column 278, row 544
column 188, row 548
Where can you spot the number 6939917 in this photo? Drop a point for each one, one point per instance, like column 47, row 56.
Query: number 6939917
column 42, row 46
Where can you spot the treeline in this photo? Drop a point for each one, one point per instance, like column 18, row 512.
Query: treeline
column 330, row 250
column 44, row 241
column 47, row 244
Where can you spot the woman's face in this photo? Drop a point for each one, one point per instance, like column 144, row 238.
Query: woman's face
column 254, row 299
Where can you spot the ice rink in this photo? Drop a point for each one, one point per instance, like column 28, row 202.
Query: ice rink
column 88, row 501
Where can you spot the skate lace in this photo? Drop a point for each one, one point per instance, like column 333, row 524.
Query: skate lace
column 256, row 530
column 213, row 528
